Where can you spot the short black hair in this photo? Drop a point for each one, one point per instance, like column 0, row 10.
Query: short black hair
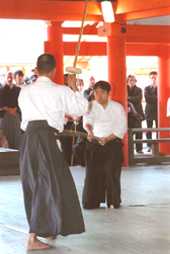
column 103, row 85
column 46, row 63
column 153, row 72
column 19, row 73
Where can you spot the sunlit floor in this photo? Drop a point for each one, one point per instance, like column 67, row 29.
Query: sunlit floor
column 140, row 226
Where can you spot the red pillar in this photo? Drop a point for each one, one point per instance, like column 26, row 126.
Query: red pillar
column 54, row 46
column 116, row 51
column 163, row 94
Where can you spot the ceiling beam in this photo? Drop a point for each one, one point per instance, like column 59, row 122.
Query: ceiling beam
column 145, row 50
column 49, row 10
column 100, row 49
column 88, row 30
column 86, row 48
column 125, row 6
column 145, row 14
column 73, row 10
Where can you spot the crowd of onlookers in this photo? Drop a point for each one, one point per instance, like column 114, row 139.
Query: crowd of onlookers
column 19, row 79
column 10, row 116
column 10, row 113
column 135, row 95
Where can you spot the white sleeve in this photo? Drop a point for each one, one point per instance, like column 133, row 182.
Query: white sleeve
column 88, row 118
column 76, row 104
column 121, row 123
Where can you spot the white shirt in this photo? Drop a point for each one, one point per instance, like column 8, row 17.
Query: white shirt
column 168, row 108
column 45, row 100
column 111, row 120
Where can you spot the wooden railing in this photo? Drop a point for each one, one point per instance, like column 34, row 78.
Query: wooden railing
column 156, row 156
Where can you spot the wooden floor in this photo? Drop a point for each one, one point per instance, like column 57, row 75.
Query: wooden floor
column 140, row 226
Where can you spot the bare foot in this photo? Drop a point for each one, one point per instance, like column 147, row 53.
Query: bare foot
column 112, row 206
column 34, row 244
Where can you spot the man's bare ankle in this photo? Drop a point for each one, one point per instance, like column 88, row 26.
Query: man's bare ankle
column 34, row 244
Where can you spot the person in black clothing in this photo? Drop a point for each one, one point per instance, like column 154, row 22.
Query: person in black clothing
column 133, row 116
column 80, row 144
column 135, row 97
column 150, row 93
column 10, row 123
column 89, row 93
column 67, row 141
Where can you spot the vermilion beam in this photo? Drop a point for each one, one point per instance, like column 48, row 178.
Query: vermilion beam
column 73, row 10
column 86, row 48
column 145, row 14
column 88, row 29
column 49, row 10
column 124, row 6
column 99, row 49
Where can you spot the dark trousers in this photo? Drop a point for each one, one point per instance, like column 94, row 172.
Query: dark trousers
column 78, row 151
column 67, row 143
column 103, row 171
column 149, row 133
column 51, row 201
column 138, row 135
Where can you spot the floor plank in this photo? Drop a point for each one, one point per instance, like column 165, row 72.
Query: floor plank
column 141, row 225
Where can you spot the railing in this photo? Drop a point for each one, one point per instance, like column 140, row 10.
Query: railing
column 156, row 156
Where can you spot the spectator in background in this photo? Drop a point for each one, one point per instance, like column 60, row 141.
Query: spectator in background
column 66, row 79
column 80, row 144
column 67, row 142
column 150, row 93
column 34, row 70
column 26, row 80
column 19, row 76
column 33, row 78
column 10, row 123
column 135, row 97
column 80, row 85
column 133, row 116
column 2, row 81
column 2, row 84
column 89, row 93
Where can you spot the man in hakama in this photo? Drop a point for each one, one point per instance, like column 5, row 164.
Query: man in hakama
column 50, row 197
column 10, row 113
column 105, row 120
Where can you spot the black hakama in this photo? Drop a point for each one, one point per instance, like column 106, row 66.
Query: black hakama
column 50, row 197
column 10, row 126
column 103, row 170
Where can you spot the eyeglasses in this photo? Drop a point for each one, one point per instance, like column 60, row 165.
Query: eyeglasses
column 133, row 81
